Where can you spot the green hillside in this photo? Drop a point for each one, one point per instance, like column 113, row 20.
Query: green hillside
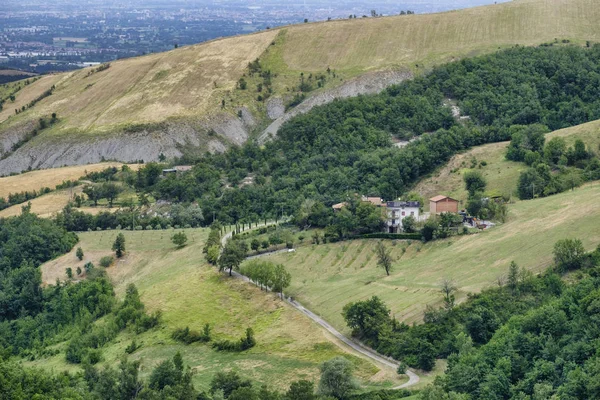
column 184, row 93
column 502, row 175
column 326, row 277
column 191, row 293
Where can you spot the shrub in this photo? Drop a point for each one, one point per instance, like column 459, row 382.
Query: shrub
column 106, row 261
column 133, row 346
column 245, row 343
column 568, row 254
column 79, row 253
column 188, row 336
column 179, row 239
column 88, row 267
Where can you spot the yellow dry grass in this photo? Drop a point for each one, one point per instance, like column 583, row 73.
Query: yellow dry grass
column 46, row 205
column 36, row 180
column 190, row 82
column 186, row 81
column 366, row 44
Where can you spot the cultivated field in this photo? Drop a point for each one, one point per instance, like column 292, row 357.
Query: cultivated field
column 191, row 293
column 326, row 277
column 502, row 176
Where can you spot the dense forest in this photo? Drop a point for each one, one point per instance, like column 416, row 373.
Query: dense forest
column 346, row 147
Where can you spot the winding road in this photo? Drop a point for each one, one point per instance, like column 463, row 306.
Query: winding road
column 413, row 378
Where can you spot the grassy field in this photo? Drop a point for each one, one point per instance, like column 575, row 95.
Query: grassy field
column 367, row 44
column 190, row 293
column 191, row 81
column 46, row 205
column 36, row 180
column 502, row 176
column 326, row 277
column 53, row 202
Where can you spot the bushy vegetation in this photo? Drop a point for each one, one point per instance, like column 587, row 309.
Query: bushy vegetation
column 246, row 342
column 530, row 331
column 344, row 147
column 553, row 167
column 188, row 336
column 87, row 341
column 176, row 215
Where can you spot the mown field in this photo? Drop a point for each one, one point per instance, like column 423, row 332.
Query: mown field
column 326, row 277
column 35, row 180
column 502, row 175
column 191, row 293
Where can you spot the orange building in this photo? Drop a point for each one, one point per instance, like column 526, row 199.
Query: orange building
column 441, row 204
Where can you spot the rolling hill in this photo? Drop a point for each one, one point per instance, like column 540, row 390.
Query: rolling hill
column 186, row 99
column 502, row 175
column 326, row 277
column 191, row 293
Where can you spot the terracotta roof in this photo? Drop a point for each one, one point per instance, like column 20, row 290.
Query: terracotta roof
column 440, row 198
column 338, row 206
column 374, row 200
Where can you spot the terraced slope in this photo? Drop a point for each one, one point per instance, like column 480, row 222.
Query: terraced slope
column 173, row 101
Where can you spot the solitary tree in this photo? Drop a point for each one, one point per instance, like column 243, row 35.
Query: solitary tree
column 93, row 193
column 384, row 257
column 110, row 191
column 448, row 288
column 336, row 378
column 119, row 245
column 255, row 244
column 179, row 239
column 474, row 182
column 513, row 276
column 79, row 253
column 69, row 273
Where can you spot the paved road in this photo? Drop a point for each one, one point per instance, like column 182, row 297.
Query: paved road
column 413, row 378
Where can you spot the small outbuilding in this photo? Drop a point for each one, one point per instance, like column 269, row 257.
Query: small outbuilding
column 441, row 204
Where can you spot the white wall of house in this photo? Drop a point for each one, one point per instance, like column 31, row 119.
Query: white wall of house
column 397, row 211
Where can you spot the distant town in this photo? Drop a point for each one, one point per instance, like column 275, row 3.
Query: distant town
column 41, row 37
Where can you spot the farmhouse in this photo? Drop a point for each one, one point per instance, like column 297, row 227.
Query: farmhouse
column 398, row 210
column 376, row 201
column 177, row 169
column 441, row 204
